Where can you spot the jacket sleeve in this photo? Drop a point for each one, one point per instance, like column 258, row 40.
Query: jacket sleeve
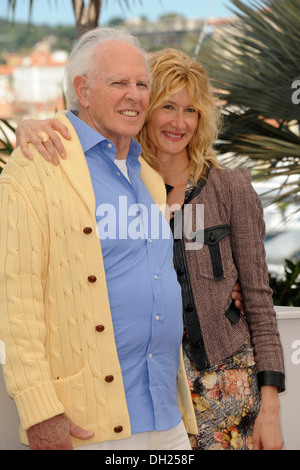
column 247, row 234
column 22, row 326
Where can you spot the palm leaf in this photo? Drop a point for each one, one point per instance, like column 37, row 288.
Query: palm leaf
column 254, row 66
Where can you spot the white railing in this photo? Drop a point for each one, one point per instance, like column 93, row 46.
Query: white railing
column 289, row 328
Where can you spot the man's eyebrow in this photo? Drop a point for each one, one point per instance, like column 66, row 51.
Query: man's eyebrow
column 125, row 79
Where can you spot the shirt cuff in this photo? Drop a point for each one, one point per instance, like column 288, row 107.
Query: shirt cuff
column 275, row 379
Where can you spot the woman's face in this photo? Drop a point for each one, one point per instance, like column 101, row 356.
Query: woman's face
column 171, row 127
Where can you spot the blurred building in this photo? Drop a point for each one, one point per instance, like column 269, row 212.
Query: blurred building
column 6, row 91
column 174, row 30
column 31, row 85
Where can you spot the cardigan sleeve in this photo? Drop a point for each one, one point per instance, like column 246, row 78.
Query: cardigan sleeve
column 247, row 236
column 22, row 325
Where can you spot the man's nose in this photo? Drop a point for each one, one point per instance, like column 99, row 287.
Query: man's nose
column 132, row 92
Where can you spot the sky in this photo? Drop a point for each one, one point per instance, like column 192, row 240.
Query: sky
column 58, row 12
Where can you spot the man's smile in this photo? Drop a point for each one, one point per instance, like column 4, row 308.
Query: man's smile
column 128, row 112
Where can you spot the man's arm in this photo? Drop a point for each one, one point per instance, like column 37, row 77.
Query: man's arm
column 55, row 434
column 22, row 326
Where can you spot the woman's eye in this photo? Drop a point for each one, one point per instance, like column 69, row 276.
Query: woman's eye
column 190, row 110
column 167, row 106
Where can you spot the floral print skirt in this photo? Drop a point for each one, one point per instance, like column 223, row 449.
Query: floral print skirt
column 226, row 400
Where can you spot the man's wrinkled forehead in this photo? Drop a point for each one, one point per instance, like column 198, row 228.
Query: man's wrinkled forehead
column 113, row 54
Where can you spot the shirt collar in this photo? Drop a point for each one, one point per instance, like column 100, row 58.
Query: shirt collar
column 89, row 137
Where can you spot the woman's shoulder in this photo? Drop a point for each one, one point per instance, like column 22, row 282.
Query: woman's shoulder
column 231, row 179
column 230, row 174
column 234, row 185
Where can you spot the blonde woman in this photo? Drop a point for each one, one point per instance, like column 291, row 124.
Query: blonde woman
column 234, row 361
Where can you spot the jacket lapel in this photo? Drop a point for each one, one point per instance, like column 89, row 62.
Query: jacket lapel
column 75, row 166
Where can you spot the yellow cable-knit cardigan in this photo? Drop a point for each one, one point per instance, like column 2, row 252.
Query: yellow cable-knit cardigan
column 56, row 359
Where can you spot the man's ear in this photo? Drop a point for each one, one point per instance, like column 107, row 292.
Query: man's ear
column 81, row 87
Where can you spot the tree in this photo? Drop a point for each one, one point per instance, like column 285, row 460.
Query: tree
column 255, row 66
column 86, row 17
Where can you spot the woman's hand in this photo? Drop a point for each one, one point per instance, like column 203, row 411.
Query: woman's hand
column 237, row 296
column 267, row 429
column 43, row 136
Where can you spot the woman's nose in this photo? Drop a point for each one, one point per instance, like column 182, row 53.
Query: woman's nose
column 178, row 120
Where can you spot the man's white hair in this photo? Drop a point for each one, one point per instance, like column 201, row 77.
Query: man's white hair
column 81, row 58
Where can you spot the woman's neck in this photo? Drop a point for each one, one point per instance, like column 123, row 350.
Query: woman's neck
column 175, row 169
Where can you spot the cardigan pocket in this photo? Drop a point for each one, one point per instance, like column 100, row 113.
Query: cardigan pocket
column 215, row 257
column 71, row 391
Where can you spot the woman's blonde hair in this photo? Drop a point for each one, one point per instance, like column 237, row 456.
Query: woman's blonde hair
column 171, row 72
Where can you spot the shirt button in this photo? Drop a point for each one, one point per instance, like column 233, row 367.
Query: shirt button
column 150, row 241
column 109, row 146
column 118, row 429
column 150, row 356
column 157, row 317
column 109, row 378
column 87, row 230
column 155, row 277
column 92, row 279
column 99, row 328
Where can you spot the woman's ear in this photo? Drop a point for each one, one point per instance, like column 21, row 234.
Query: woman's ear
column 81, row 87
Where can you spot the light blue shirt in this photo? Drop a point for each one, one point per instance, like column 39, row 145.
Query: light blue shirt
column 144, row 294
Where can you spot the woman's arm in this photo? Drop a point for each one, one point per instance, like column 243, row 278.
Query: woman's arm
column 247, row 237
column 43, row 136
column 267, row 433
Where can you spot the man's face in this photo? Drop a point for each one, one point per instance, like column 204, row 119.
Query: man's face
column 118, row 97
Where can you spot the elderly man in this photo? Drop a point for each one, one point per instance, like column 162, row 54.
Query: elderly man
column 93, row 328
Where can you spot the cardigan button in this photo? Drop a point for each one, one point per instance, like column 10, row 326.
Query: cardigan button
column 99, row 328
column 118, row 429
column 180, row 272
column 109, row 378
column 87, row 230
column 92, row 279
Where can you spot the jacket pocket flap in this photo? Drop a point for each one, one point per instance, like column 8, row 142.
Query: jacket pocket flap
column 214, row 235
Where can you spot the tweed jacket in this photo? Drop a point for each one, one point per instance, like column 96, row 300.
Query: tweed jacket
column 55, row 316
column 228, row 247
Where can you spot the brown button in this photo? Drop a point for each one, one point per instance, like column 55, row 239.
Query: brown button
column 109, row 378
column 100, row 328
column 87, row 230
column 92, row 279
column 118, row 429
